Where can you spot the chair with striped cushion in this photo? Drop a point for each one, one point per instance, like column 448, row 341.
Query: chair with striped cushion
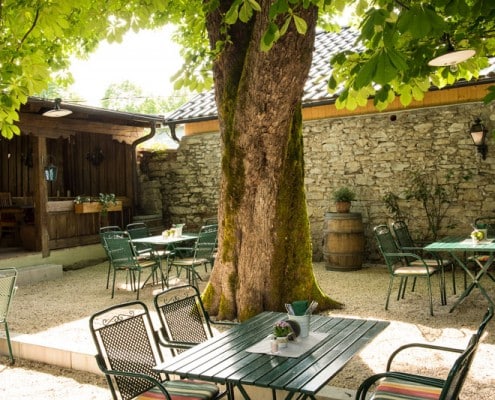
column 400, row 265
column 127, row 351
column 392, row 385
column 408, row 245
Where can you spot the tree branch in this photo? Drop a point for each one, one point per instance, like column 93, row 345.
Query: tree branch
column 30, row 29
column 401, row 4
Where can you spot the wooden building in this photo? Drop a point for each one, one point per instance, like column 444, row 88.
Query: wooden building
column 93, row 151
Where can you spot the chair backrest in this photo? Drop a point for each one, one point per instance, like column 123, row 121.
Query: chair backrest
column 126, row 341
column 387, row 245
column 402, row 234
column 8, row 277
column 182, row 315
column 120, row 250
column 108, row 230
column 206, row 241
column 138, row 230
column 459, row 371
column 487, row 222
column 5, row 199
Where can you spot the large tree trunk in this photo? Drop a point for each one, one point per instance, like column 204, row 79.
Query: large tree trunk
column 264, row 257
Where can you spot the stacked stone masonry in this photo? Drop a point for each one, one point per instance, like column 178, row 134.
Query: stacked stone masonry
column 372, row 154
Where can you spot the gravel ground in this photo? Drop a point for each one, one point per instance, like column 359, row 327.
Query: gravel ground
column 58, row 311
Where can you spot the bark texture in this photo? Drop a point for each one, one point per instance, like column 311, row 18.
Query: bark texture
column 264, row 257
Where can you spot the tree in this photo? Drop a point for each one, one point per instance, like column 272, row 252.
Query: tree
column 126, row 96
column 39, row 37
column 260, row 54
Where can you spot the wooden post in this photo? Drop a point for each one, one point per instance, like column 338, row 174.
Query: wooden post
column 40, row 195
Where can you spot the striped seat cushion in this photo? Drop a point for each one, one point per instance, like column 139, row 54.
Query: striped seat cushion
column 183, row 390
column 395, row 389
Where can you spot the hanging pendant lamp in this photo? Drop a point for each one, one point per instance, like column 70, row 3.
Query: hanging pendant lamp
column 452, row 56
column 57, row 112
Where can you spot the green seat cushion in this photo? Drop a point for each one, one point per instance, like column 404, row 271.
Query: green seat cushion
column 395, row 389
column 183, row 390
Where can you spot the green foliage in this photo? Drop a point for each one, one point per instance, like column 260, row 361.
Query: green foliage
column 397, row 38
column 435, row 195
column 391, row 201
column 400, row 38
column 344, row 194
column 39, row 37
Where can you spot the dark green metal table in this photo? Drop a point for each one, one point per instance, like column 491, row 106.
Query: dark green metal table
column 224, row 359
column 457, row 245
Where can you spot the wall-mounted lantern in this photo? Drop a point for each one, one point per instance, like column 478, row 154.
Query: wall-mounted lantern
column 478, row 134
column 50, row 172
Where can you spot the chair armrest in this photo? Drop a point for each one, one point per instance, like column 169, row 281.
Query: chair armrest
column 161, row 337
column 423, row 346
column 136, row 375
column 363, row 389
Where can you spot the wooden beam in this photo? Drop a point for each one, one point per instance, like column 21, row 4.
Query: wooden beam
column 434, row 98
column 40, row 195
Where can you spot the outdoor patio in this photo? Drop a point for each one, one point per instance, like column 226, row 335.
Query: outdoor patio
column 50, row 318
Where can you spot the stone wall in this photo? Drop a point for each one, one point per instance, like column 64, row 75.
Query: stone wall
column 372, row 154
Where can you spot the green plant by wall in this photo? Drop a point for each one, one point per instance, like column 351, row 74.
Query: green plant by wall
column 391, row 201
column 436, row 196
column 344, row 194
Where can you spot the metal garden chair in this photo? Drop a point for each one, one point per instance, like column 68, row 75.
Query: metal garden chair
column 408, row 245
column 124, row 258
column 488, row 223
column 392, row 385
column 184, row 320
column 128, row 350
column 138, row 230
column 201, row 253
column 399, row 267
column 104, row 230
column 8, row 277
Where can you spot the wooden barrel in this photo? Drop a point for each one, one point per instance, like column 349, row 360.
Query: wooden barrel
column 343, row 248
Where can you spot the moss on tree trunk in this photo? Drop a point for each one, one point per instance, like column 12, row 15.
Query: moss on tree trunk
column 264, row 237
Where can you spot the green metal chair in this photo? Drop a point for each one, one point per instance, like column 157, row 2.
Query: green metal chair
column 392, row 385
column 128, row 349
column 184, row 320
column 138, row 230
column 399, row 267
column 124, row 258
column 201, row 253
column 8, row 278
column 407, row 244
column 103, row 231
column 488, row 223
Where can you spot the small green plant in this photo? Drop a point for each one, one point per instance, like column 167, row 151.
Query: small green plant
column 435, row 196
column 391, row 201
column 344, row 194
column 82, row 199
column 106, row 200
column 281, row 329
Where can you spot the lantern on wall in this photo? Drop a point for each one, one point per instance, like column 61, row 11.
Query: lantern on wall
column 478, row 134
column 50, row 171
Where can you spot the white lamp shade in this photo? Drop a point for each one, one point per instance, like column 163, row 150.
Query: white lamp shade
column 57, row 113
column 451, row 58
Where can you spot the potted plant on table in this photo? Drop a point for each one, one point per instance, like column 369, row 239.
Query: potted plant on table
column 281, row 331
column 343, row 198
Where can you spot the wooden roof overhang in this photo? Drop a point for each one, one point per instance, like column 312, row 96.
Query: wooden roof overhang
column 123, row 126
